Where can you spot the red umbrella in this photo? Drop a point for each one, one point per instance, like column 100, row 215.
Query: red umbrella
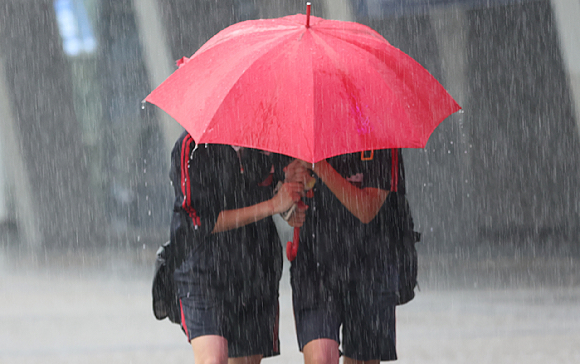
column 305, row 87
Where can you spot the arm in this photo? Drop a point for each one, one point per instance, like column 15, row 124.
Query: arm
column 201, row 194
column 364, row 203
column 282, row 201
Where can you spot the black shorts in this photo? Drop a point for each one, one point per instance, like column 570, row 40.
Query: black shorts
column 366, row 311
column 251, row 328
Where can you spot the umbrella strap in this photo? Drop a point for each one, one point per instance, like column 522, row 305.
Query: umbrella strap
column 394, row 169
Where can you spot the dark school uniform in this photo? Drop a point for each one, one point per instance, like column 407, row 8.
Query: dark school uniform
column 228, row 281
column 344, row 272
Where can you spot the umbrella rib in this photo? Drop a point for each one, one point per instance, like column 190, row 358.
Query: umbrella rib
column 407, row 81
column 416, row 72
column 275, row 48
column 340, row 64
column 224, row 37
column 352, row 44
column 314, row 147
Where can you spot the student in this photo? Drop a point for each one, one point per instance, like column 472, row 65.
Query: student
column 344, row 272
column 228, row 283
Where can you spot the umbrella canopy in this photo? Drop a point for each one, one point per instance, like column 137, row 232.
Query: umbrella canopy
column 305, row 87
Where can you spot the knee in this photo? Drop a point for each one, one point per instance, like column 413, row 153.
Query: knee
column 320, row 357
column 321, row 351
column 210, row 349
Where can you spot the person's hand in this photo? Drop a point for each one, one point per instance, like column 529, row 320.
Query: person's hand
column 298, row 216
column 296, row 172
column 287, row 195
column 299, row 171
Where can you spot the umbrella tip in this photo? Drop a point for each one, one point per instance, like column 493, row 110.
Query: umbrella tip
column 308, row 5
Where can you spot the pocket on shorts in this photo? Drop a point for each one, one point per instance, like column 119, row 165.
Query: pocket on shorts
column 381, row 284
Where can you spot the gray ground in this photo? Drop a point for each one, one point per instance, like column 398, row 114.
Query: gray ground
column 96, row 308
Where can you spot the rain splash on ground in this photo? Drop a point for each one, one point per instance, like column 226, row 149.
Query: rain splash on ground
column 96, row 308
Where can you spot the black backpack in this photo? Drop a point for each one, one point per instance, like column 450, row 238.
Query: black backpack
column 403, row 236
column 165, row 299
column 170, row 256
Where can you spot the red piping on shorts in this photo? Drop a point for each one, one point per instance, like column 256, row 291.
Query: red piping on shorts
column 185, row 184
column 183, row 324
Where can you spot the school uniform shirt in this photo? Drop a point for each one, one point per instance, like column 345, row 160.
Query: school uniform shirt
column 238, row 264
column 336, row 244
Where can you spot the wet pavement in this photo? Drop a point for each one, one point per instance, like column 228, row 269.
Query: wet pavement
column 96, row 308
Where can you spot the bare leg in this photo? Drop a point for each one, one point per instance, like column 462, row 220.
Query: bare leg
column 254, row 359
column 321, row 351
column 210, row 349
column 353, row 361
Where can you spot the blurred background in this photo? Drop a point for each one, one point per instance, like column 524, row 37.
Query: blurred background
column 84, row 186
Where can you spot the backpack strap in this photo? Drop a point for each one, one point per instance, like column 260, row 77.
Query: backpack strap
column 186, row 155
column 394, row 169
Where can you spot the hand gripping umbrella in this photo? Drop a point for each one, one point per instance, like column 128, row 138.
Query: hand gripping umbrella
column 305, row 87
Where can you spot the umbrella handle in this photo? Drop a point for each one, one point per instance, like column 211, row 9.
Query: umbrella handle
column 292, row 246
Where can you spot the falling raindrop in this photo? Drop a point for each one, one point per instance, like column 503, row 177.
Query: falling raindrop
column 514, row 93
